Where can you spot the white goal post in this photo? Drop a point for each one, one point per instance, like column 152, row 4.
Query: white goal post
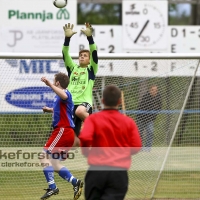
column 175, row 138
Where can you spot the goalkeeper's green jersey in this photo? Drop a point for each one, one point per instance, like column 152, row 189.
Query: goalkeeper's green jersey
column 81, row 79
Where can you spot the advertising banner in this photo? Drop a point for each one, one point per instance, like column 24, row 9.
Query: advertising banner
column 34, row 26
column 21, row 89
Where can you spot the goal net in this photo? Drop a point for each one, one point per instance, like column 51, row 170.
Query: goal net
column 168, row 164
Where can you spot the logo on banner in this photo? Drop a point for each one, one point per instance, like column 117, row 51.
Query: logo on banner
column 43, row 15
column 132, row 10
column 31, row 97
column 36, row 66
column 62, row 14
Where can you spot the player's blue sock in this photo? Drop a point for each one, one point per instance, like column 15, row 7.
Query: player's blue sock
column 49, row 174
column 65, row 174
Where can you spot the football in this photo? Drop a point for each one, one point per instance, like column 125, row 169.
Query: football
column 60, row 3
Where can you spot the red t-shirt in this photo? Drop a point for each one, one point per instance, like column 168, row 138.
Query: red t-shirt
column 108, row 138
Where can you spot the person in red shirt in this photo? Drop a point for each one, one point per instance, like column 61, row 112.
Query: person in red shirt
column 108, row 140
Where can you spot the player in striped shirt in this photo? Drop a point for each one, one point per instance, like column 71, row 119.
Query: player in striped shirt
column 61, row 139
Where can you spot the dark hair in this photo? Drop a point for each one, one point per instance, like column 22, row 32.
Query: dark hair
column 63, row 79
column 111, row 95
column 84, row 50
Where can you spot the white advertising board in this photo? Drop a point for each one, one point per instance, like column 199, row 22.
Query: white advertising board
column 34, row 26
column 29, row 26
column 22, row 91
column 37, row 27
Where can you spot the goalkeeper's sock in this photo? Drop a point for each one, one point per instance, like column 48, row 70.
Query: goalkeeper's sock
column 65, row 174
column 49, row 174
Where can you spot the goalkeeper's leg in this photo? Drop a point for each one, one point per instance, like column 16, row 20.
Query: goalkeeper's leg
column 80, row 112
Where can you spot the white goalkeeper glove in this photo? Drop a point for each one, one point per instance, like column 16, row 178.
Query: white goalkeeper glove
column 68, row 29
column 88, row 31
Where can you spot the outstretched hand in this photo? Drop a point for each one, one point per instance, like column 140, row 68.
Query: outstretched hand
column 46, row 81
column 88, row 31
column 68, row 29
column 47, row 109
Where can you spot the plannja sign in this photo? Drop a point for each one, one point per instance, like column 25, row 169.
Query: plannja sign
column 35, row 26
column 42, row 16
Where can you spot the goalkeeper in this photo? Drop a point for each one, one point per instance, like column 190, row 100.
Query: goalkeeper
column 82, row 76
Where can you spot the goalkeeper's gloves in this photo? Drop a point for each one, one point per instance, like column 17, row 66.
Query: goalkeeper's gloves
column 68, row 29
column 88, row 31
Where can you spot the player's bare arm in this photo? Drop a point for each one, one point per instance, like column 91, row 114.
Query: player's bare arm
column 56, row 88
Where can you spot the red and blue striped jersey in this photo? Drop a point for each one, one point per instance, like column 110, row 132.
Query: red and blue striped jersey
column 63, row 111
